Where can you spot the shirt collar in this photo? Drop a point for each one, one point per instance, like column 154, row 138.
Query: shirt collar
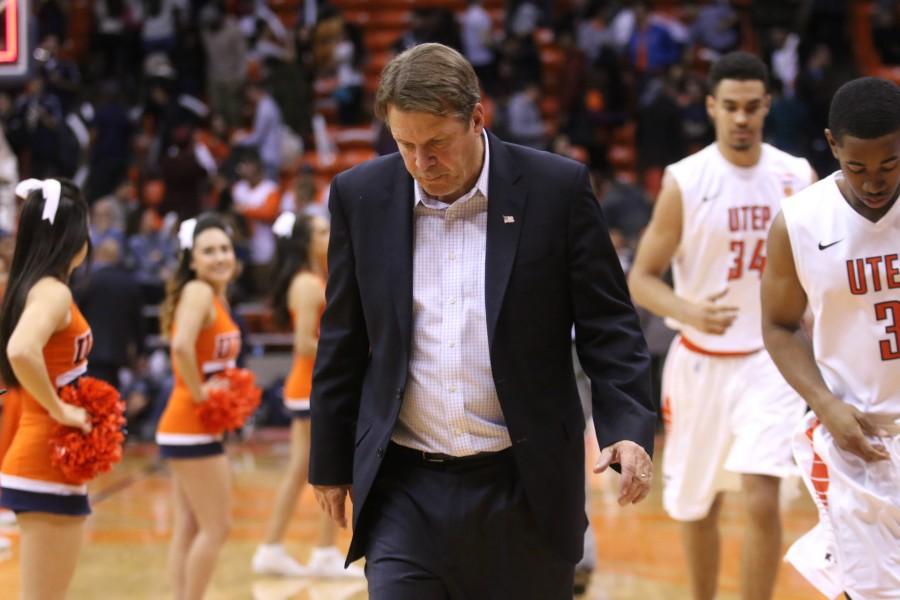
column 481, row 184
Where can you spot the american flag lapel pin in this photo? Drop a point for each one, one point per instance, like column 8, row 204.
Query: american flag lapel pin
column 508, row 219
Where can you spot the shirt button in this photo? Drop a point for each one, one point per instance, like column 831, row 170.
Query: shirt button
column 380, row 453
column 453, row 256
column 452, row 388
column 452, row 300
column 453, row 344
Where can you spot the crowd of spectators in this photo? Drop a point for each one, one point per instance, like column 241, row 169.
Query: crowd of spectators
column 180, row 106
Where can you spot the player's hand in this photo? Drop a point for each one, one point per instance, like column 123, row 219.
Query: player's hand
column 711, row 317
column 332, row 500
column 637, row 470
column 72, row 416
column 849, row 427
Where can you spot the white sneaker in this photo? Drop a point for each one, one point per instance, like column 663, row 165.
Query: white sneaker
column 273, row 559
column 329, row 562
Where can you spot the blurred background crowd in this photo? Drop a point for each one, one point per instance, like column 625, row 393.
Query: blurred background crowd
column 161, row 109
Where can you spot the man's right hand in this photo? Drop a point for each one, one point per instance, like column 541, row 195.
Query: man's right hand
column 709, row 317
column 849, row 428
column 332, row 499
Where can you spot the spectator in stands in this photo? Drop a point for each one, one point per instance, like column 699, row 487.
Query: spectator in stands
column 61, row 75
column 886, row 31
column 265, row 136
column 161, row 20
column 660, row 138
column 51, row 18
column 185, row 168
column 226, row 56
column 419, row 31
column 784, row 57
column 256, row 198
column 787, row 125
column 301, row 198
column 816, row 84
column 40, row 115
column 160, row 111
column 653, row 47
column 9, row 177
column 349, row 59
column 111, row 147
column 111, row 299
column 7, row 246
column 111, row 45
column 520, row 63
column 152, row 255
column 716, row 27
column 695, row 127
column 476, row 34
column 107, row 222
column 524, row 123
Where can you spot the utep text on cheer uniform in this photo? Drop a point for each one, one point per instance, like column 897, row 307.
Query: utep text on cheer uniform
column 28, row 479
column 180, row 433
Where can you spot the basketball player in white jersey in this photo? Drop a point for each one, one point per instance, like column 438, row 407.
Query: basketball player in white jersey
column 835, row 248
column 729, row 414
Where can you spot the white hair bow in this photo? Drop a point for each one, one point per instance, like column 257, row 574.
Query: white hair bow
column 51, row 190
column 186, row 234
column 284, row 224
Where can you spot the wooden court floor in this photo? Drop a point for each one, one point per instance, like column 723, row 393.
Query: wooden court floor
column 640, row 556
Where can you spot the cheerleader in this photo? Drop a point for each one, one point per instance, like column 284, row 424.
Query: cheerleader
column 298, row 299
column 46, row 341
column 203, row 341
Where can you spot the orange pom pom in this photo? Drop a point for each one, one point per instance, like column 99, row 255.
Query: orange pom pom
column 81, row 456
column 227, row 407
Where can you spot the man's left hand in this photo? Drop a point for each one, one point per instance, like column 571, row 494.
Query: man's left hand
column 637, row 470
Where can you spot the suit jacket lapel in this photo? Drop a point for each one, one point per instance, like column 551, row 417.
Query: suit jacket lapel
column 506, row 208
column 398, row 232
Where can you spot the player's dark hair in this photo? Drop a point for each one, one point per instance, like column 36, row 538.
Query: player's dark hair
column 866, row 108
column 43, row 249
column 739, row 66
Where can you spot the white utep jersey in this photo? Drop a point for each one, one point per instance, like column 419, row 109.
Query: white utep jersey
column 850, row 270
column 726, row 214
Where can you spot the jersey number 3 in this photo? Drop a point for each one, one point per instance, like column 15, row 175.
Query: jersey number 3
column 890, row 312
column 757, row 262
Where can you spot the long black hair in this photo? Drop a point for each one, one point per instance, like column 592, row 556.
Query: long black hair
column 291, row 257
column 43, row 249
column 184, row 273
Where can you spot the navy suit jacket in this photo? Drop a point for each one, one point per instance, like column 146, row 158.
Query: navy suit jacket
column 551, row 267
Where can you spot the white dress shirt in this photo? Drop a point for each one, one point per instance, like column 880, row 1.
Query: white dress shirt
column 450, row 404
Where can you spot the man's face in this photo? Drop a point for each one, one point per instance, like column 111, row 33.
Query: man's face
column 871, row 170
column 737, row 111
column 442, row 153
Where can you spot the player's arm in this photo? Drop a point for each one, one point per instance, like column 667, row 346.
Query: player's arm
column 783, row 305
column 191, row 315
column 654, row 255
column 306, row 297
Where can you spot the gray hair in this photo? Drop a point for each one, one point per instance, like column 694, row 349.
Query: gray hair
column 429, row 78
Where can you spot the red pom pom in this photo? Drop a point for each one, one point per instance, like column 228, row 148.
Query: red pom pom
column 228, row 406
column 81, row 456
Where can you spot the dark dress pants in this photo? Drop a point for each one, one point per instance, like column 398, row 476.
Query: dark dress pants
column 448, row 531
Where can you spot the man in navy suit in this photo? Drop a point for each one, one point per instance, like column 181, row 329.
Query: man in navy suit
column 443, row 396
